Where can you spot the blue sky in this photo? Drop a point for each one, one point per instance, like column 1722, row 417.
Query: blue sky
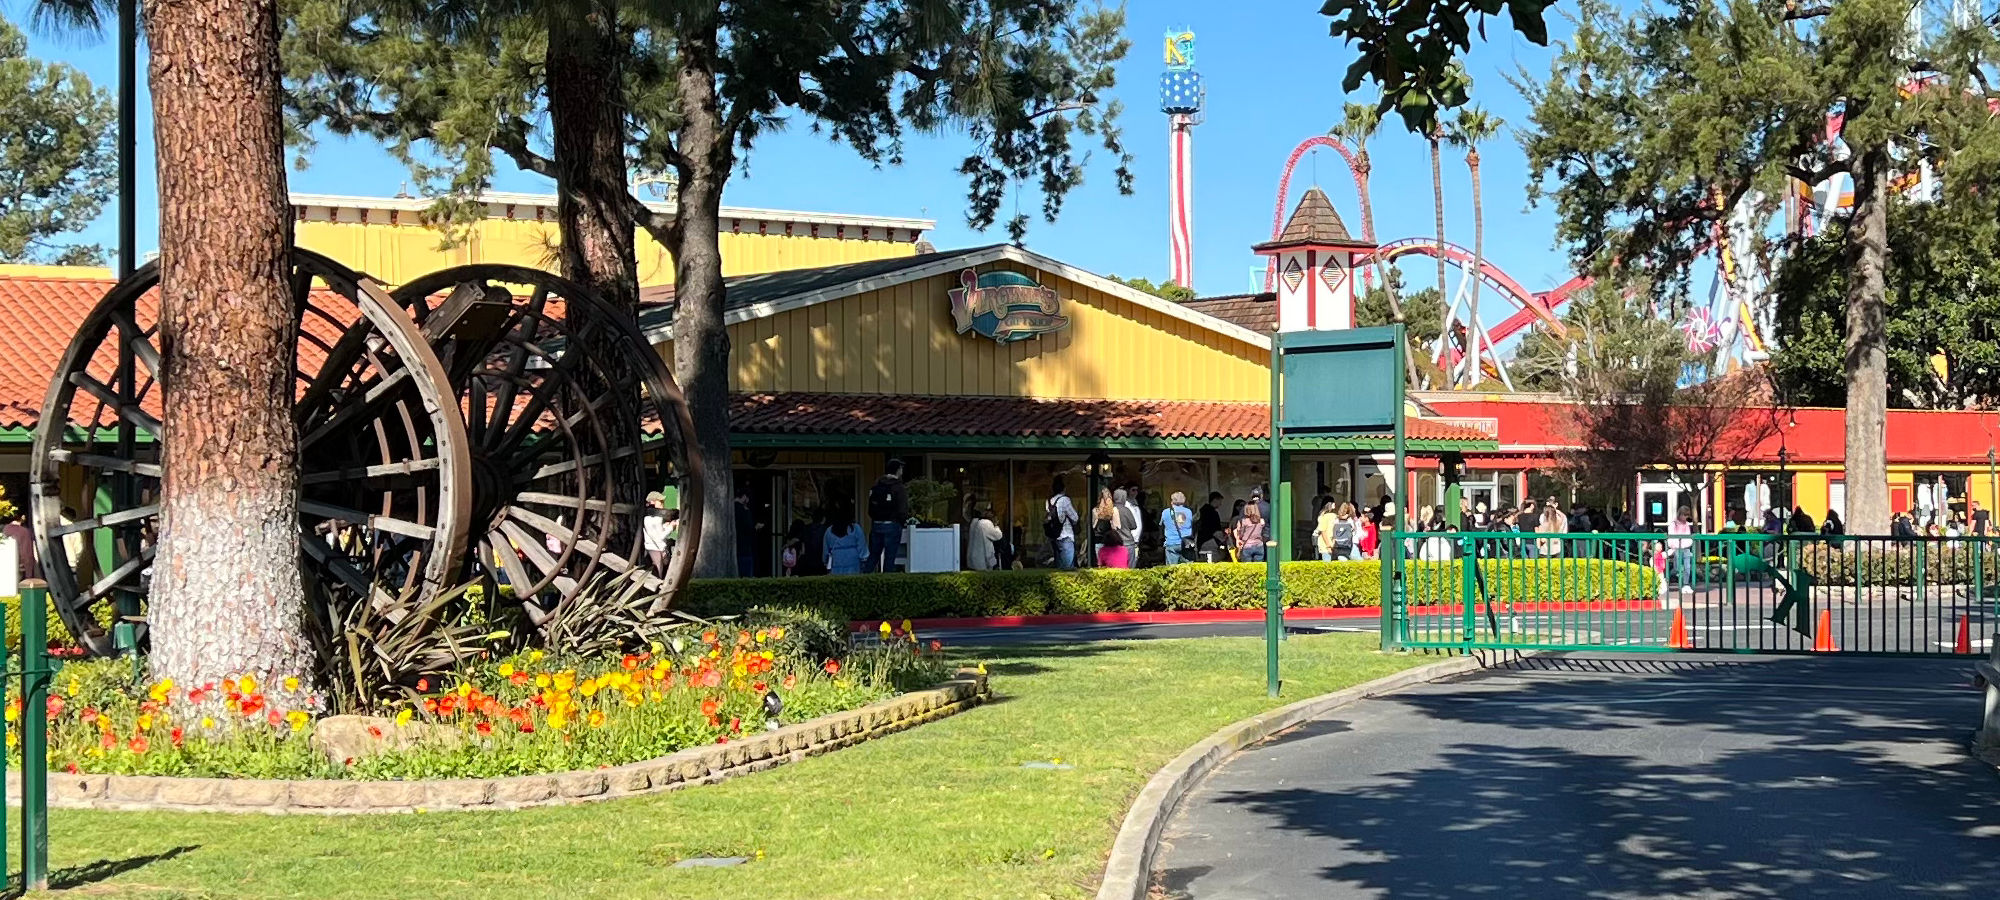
column 1273, row 78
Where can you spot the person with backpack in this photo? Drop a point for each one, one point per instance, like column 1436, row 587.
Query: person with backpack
column 1177, row 530
column 888, row 508
column 1059, row 526
column 1346, row 533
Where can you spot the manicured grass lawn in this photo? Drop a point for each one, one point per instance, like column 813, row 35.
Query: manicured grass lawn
column 944, row 810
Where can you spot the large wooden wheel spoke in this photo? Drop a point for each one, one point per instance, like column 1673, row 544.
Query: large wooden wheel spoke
column 382, row 452
column 559, row 391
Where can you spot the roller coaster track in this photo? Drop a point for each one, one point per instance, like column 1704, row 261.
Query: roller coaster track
column 1285, row 189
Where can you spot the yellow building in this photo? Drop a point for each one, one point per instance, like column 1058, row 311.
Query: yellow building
column 390, row 239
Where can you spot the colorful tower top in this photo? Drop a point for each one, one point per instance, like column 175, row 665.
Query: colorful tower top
column 1180, row 84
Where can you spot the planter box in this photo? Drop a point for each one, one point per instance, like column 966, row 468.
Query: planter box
column 933, row 550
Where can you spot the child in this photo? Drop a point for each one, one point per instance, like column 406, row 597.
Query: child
column 1660, row 568
column 790, row 557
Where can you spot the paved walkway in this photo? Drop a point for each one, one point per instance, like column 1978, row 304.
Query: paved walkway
column 1613, row 778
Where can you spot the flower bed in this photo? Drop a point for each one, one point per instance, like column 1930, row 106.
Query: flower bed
column 519, row 715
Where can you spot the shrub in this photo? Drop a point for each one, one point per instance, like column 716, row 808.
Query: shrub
column 1194, row 586
column 1895, row 563
column 58, row 634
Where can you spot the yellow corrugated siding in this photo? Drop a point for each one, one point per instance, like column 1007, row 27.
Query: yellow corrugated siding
column 901, row 340
column 395, row 254
column 1810, row 490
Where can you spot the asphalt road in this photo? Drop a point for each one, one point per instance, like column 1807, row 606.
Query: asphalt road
column 1614, row 778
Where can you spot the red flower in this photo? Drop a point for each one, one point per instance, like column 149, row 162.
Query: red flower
column 791, row 681
column 253, row 703
column 709, row 706
column 196, row 695
column 518, row 678
column 757, row 687
column 89, row 714
column 630, row 662
column 936, row 646
column 722, row 740
column 711, row 678
column 107, row 740
column 275, row 718
column 483, row 728
column 423, row 684
column 138, row 744
column 527, row 728
column 832, row 667
column 735, row 724
column 175, row 736
column 375, row 732
column 430, row 706
column 72, row 769
column 55, row 705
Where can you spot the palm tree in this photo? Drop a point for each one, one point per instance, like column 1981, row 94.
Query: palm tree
column 1474, row 125
column 1436, row 138
column 226, row 594
column 1359, row 122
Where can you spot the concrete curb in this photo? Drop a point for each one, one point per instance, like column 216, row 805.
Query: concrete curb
column 693, row 766
column 1128, row 873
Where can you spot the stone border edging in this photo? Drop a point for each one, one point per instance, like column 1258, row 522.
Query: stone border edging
column 1128, row 874
column 706, row 764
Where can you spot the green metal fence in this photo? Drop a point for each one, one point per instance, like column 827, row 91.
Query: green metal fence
column 36, row 671
column 1732, row 593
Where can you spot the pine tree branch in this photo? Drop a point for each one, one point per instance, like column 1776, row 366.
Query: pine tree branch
column 1798, row 13
column 513, row 142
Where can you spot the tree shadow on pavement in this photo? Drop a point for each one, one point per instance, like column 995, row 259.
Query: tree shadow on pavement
column 1785, row 785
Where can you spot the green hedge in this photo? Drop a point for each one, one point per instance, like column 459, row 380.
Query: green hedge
column 1895, row 564
column 58, row 634
column 1036, row 592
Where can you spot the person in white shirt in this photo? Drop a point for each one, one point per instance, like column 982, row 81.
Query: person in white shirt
column 656, row 532
column 1680, row 550
column 1124, row 500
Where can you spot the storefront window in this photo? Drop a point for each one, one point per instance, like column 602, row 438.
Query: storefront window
column 1033, row 479
column 1937, row 497
column 1747, row 495
column 1543, row 485
column 1236, row 478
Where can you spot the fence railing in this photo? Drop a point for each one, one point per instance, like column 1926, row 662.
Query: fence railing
column 1731, row 592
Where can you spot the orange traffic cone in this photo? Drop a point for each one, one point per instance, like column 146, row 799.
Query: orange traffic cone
column 1964, row 645
column 1823, row 635
column 1677, row 635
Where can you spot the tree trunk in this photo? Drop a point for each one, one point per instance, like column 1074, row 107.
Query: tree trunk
column 226, row 596
column 1867, row 356
column 1365, row 170
column 701, row 343
column 588, row 130
column 1437, row 205
column 1478, row 258
column 593, row 215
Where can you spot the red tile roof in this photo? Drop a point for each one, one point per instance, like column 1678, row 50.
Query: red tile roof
column 1020, row 417
column 41, row 315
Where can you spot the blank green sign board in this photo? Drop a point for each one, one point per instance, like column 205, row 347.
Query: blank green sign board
column 1341, row 382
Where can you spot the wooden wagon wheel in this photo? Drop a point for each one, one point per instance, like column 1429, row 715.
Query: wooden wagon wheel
column 381, row 452
column 558, row 388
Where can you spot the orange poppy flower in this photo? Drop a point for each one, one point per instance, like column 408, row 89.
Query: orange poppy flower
column 138, row 744
column 483, row 728
column 709, row 707
column 832, row 667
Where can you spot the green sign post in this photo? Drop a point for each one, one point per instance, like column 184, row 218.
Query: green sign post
column 36, row 672
column 1343, row 382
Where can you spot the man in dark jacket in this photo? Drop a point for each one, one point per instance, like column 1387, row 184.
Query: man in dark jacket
column 24, row 546
column 1208, row 522
column 889, row 508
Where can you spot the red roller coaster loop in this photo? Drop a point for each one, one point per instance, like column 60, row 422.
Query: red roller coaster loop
column 1530, row 307
column 1285, row 189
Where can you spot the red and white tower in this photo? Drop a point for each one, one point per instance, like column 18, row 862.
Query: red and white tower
column 1180, row 98
column 1315, row 259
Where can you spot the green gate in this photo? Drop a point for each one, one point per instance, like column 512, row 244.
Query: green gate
column 1727, row 593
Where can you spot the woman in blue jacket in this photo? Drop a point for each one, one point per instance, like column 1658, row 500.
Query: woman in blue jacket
column 845, row 546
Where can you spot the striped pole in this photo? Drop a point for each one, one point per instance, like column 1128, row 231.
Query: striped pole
column 1180, row 215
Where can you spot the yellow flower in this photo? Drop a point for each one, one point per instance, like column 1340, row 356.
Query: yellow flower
column 72, row 687
column 403, row 717
column 762, row 635
column 465, row 689
column 778, row 634
column 558, row 718
column 565, row 681
column 588, row 688
column 655, row 648
column 767, row 656
column 982, row 668
column 912, row 632
column 597, row 718
column 297, row 718
column 506, row 670
column 541, row 681
column 885, row 629
column 207, row 722
column 13, row 715
column 12, row 739
column 145, row 721
column 158, row 692
column 248, row 685
column 291, row 684
column 534, row 656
